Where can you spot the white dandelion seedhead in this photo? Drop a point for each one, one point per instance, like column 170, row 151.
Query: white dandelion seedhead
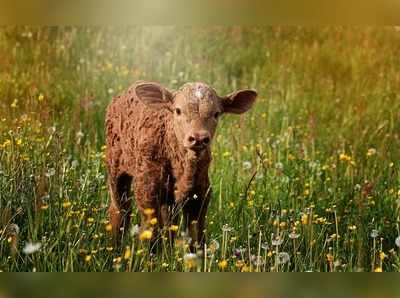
column 283, row 258
column 374, row 233
column 247, row 165
column 213, row 246
column 31, row 248
column 13, row 229
column 257, row 260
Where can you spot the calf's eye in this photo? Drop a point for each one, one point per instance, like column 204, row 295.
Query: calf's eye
column 216, row 115
column 178, row 111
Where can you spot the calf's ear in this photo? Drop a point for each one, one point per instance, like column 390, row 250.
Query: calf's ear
column 154, row 95
column 238, row 102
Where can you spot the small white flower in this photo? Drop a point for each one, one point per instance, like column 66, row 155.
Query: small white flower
column 226, row 228
column 276, row 241
column 31, row 248
column 135, row 230
column 50, row 173
column 397, row 241
column 313, row 164
column 185, row 238
column 259, row 176
column 110, row 91
column 79, row 134
column 294, row 235
column 74, row 164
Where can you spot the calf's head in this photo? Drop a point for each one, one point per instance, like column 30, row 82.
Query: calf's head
column 195, row 108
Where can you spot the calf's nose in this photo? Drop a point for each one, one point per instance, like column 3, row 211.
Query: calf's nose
column 200, row 138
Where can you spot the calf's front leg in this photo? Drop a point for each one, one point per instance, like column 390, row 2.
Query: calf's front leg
column 120, row 205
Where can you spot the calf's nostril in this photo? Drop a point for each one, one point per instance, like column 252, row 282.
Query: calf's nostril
column 206, row 140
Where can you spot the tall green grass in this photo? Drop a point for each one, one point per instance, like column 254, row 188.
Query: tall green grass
column 307, row 181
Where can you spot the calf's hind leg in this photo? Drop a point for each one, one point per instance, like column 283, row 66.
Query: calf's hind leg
column 121, row 202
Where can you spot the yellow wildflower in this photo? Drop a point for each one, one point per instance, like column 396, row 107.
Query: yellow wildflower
column 66, row 204
column 109, row 227
column 14, row 104
column 352, row 228
column 222, row 264
column 173, row 228
column 190, row 260
column 148, row 211
column 304, row 219
column 146, row 235
column 117, row 260
column 382, row 255
column 127, row 253
column 226, row 154
column 344, row 157
column 371, row 151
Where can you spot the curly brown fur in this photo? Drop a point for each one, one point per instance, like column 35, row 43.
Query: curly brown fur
column 159, row 141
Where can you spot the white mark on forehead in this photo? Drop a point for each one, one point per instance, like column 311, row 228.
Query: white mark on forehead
column 199, row 94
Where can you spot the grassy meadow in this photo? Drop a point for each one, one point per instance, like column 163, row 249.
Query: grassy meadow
column 306, row 181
